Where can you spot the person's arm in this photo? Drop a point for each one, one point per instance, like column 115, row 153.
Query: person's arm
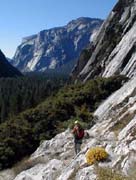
column 73, row 130
column 76, row 130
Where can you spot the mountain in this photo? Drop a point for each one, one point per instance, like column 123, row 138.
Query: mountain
column 6, row 69
column 113, row 48
column 53, row 48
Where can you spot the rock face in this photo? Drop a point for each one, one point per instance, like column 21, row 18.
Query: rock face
column 53, row 48
column 114, row 47
column 6, row 69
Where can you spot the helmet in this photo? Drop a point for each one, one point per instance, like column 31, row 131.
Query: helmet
column 77, row 122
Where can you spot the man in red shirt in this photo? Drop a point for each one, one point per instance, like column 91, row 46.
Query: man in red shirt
column 78, row 133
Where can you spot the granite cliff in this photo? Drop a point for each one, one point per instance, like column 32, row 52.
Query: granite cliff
column 56, row 47
column 113, row 49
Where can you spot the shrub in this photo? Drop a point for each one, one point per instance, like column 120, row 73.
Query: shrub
column 70, row 123
column 96, row 154
column 15, row 138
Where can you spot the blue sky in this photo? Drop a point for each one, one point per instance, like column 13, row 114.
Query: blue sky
column 21, row 18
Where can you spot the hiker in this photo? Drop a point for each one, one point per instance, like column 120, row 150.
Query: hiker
column 78, row 133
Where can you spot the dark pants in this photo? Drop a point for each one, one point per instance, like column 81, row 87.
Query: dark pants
column 78, row 143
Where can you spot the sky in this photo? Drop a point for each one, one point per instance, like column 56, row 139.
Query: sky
column 21, row 18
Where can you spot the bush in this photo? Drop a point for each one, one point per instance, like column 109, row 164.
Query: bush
column 71, row 123
column 15, row 138
column 96, row 154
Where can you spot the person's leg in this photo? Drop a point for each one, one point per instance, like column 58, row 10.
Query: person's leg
column 78, row 147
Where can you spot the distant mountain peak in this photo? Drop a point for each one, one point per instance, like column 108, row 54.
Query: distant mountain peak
column 55, row 47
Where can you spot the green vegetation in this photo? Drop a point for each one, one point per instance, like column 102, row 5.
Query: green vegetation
column 15, row 138
column 20, row 135
column 19, row 94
